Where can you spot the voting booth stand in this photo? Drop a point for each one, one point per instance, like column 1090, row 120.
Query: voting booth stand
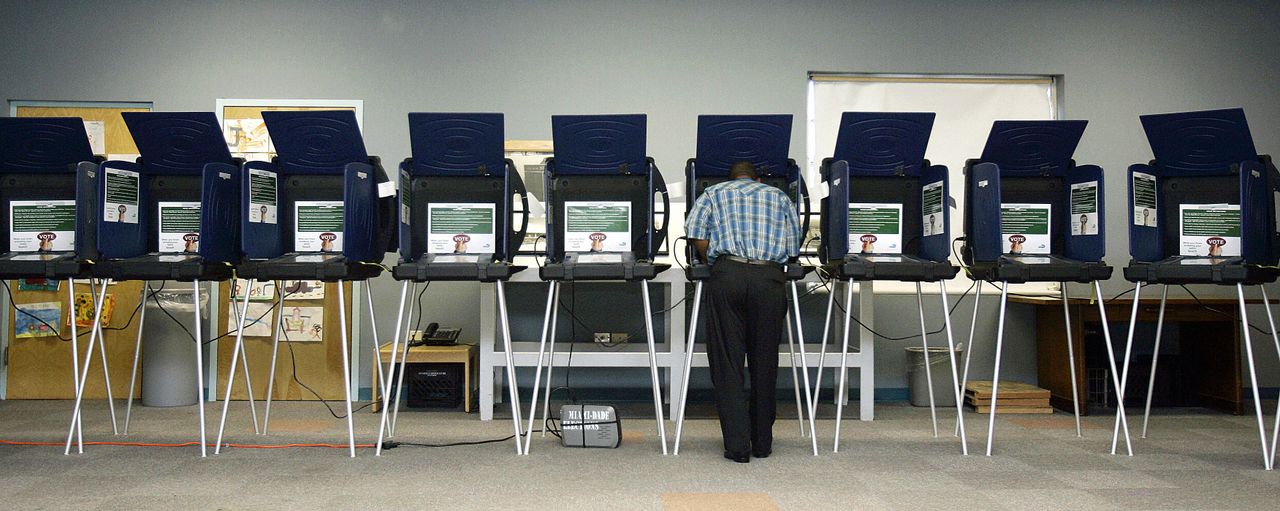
column 172, row 214
column 1203, row 212
column 322, row 209
column 886, row 217
column 456, row 204
column 600, row 189
column 44, row 225
column 764, row 141
column 1033, row 215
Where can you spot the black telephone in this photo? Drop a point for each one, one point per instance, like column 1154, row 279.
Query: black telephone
column 433, row 335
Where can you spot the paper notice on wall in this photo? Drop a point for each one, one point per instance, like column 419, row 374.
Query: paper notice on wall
column 461, row 228
column 259, row 291
column 1211, row 230
column 42, row 225
column 304, row 324
column 1084, row 208
column 1024, row 228
column 262, row 196
column 120, row 203
column 97, row 131
column 1144, row 199
column 179, row 227
column 257, row 321
column 875, row 228
column 319, row 226
column 931, row 209
column 303, row 290
column 37, row 319
column 597, row 226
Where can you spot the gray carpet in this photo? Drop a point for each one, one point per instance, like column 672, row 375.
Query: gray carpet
column 1194, row 459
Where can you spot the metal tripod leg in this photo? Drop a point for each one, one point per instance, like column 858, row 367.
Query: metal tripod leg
column 688, row 364
column 384, row 384
column 552, row 291
column 551, row 361
column 822, row 357
column 512, row 390
column 137, row 353
column 346, row 367
column 84, row 371
column 804, row 367
column 276, row 326
column 995, row 378
column 195, row 286
column 1121, row 418
column 231, row 373
column 844, row 363
column 1253, row 376
column 404, row 360
column 955, row 374
column 1071, row 358
column 106, row 373
column 1275, row 337
column 75, row 358
column 928, row 371
column 1155, row 358
column 653, row 365
column 968, row 350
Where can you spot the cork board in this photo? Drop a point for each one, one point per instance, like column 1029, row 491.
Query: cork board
column 117, row 137
column 319, row 364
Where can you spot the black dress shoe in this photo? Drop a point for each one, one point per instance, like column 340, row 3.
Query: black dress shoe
column 736, row 457
column 762, row 454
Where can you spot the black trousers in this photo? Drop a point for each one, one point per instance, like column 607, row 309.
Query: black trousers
column 748, row 306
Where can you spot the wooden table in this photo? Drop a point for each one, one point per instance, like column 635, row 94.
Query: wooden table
column 464, row 354
column 1210, row 338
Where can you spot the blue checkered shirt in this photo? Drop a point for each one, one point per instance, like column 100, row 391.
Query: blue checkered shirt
column 747, row 219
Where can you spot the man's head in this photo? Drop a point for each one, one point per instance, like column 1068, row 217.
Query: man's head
column 743, row 169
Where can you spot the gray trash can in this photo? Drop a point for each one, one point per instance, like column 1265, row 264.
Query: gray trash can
column 918, row 381
column 168, row 353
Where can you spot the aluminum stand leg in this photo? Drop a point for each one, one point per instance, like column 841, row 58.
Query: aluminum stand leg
column 955, row 374
column 1253, row 376
column 231, row 373
column 346, row 367
column 512, row 390
column 653, row 366
column 384, row 384
column 1124, row 370
column 137, row 352
column 995, row 378
column 1071, row 358
column 551, row 361
column 688, row 364
column 1155, row 358
column 276, row 326
column 552, row 290
column 968, row 352
column 804, row 367
column 844, row 363
column 928, row 371
column 84, row 372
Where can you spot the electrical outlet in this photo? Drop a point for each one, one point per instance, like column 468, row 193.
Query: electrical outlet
column 601, row 337
column 415, row 336
column 619, row 338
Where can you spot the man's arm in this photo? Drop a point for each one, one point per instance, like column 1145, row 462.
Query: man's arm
column 701, row 246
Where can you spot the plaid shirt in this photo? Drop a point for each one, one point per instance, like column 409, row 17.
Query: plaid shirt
column 747, row 219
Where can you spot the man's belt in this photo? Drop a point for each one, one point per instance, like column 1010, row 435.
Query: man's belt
column 760, row 262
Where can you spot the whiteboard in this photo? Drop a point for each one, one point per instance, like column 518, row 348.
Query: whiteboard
column 966, row 106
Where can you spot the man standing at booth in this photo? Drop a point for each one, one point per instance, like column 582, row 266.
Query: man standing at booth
column 746, row 230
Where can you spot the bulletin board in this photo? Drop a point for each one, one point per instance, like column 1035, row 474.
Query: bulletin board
column 318, row 362
column 40, row 365
column 246, row 134
column 116, row 143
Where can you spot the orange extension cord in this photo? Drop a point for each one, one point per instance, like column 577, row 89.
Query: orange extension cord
column 187, row 444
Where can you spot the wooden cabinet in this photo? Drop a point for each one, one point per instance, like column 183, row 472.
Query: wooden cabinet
column 1208, row 335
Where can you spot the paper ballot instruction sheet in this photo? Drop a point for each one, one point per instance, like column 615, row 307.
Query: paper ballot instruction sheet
column 931, row 209
column 1084, row 208
column 875, row 228
column 319, row 226
column 42, row 225
column 597, row 226
column 1211, row 230
column 1144, row 199
column 179, row 227
column 461, row 228
column 1024, row 228
column 262, row 196
column 120, row 202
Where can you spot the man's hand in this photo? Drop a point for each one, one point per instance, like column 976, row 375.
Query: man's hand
column 701, row 247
